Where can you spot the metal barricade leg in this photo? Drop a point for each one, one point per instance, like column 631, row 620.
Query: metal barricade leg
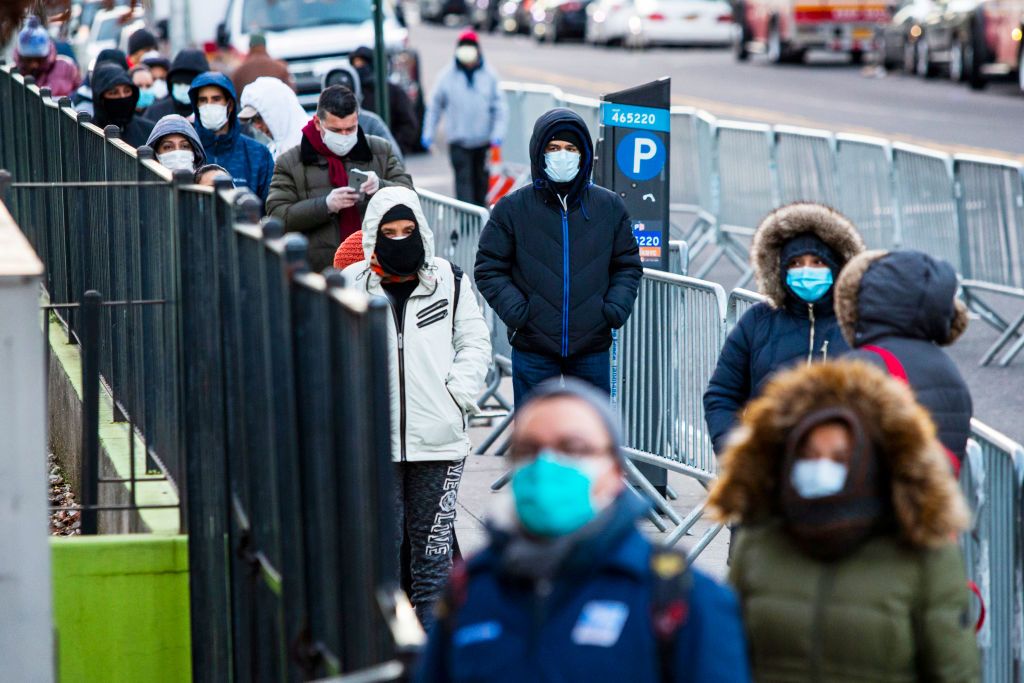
column 648, row 489
column 1016, row 348
column 1010, row 333
column 500, row 482
column 495, row 435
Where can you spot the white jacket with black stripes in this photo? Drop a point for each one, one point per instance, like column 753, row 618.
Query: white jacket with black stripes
column 439, row 350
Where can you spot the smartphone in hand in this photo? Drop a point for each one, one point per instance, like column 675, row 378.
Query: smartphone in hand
column 356, row 178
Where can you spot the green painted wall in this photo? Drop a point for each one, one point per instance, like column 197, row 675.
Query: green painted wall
column 121, row 608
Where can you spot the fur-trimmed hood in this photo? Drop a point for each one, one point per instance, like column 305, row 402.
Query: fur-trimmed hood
column 899, row 293
column 784, row 223
column 927, row 503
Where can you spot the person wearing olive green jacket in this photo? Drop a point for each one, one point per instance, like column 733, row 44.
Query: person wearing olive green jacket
column 846, row 565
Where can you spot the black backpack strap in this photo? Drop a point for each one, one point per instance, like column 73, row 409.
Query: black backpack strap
column 670, row 605
column 457, row 274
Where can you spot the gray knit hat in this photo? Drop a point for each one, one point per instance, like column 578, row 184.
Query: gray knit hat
column 571, row 387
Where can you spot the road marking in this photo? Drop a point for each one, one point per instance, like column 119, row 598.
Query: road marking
column 725, row 110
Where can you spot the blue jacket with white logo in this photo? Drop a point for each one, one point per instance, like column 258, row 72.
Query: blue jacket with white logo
column 592, row 623
column 250, row 163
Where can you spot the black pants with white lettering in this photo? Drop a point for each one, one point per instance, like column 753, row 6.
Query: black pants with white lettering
column 425, row 495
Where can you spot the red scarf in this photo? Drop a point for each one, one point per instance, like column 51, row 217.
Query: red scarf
column 388, row 277
column 349, row 219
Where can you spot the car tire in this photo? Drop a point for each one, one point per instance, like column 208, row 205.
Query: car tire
column 975, row 55
column 740, row 35
column 857, row 57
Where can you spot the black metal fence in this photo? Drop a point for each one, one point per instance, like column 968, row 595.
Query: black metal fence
column 260, row 388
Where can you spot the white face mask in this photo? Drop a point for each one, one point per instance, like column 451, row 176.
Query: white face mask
column 178, row 160
column 213, row 116
column 179, row 91
column 466, row 54
column 338, row 143
column 561, row 166
column 818, row 478
column 159, row 88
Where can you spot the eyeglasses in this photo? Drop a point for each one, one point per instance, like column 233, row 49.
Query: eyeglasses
column 573, row 449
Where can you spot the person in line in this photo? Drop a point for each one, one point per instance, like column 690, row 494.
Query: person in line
column 259, row 64
column 159, row 66
column 402, row 119
column 115, row 104
column 468, row 95
column 440, row 350
column 216, row 120
column 273, row 113
column 142, row 77
column 139, row 43
column 185, row 68
column 36, row 55
column 567, row 588
column 176, row 145
column 311, row 193
column 797, row 252
column 558, row 261
column 896, row 310
column 848, row 567
column 81, row 100
column 345, row 75
column 208, row 174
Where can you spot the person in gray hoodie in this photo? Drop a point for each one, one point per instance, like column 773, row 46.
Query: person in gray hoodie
column 176, row 145
column 371, row 123
column 469, row 94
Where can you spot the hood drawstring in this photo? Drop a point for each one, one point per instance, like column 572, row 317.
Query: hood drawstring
column 810, row 347
column 563, row 201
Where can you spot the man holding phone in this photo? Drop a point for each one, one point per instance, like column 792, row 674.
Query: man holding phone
column 322, row 186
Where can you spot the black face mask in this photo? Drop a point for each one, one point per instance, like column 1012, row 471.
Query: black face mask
column 119, row 111
column 400, row 257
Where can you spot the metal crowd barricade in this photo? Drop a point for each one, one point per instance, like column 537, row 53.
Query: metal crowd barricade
column 805, row 165
column 927, row 206
column 526, row 102
column 589, row 110
column 661, row 362
column 457, row 226
column 992, row 479
column 990, row 195
column 866, row 197
column 685, row 175
column 741, row 301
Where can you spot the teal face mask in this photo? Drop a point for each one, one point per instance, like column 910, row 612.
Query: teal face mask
column 146, row 98
column 561, row 166
column 179, row 91
column 810, row 284
column 552, row 494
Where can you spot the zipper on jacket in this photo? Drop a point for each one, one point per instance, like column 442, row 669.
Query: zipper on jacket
column 565, row 282
column 824, row 351
column 400, row 325
column 810, row 347
column 541, row 592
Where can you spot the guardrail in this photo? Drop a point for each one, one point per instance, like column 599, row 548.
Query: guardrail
column 726, row 175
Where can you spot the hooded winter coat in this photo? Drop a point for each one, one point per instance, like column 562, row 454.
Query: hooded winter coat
column 474, row 109
column 440, row 350
column 249, row 162
column 187, row 65
column 895, row 608
column 104, row 78
column 301, row 183
column 280, row 110
column 905, row 303
column 172, row 124
column 560, row 277
column 59, row 73
column 785, row 330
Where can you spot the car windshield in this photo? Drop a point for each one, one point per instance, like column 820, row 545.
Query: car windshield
column 281, row 15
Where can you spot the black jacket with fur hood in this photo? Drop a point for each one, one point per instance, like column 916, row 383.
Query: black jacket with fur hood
column 905, row 303
column 785, row 330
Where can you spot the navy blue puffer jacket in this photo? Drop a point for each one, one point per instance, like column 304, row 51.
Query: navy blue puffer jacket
column 784, row 331
column 560, row 277
column 905, row 303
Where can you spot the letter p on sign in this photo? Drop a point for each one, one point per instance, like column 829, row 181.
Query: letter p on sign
column 644, row 150
column 640, row 155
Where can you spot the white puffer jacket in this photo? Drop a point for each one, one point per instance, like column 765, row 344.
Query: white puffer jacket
column 437, row 367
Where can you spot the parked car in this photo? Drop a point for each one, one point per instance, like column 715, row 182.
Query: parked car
column 995, row 46
column 952, row 36
column 555, row 20
column 485, row 15
column 897, row 39
column 515, row 16
column 436, row 11
column 642, row 23
column 106, row 31
column 785, row 30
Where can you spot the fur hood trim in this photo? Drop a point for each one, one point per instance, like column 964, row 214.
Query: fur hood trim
column 926, row 499
column 784, row 223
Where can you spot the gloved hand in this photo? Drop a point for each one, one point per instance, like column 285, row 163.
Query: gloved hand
column 341, row 198
column 371, row 185
column 426, row 140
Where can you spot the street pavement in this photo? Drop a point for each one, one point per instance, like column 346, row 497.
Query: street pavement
column 827, row 95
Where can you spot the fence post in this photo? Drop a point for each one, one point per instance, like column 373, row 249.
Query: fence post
column 89, row 337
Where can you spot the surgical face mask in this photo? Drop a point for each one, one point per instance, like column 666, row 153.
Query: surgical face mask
column 179, row 91
column 146, row 98
column 467, row 54
column 810, row 284
column 553, row 493
column 338, row 143
column 159, row 88
column 213, row 116
column 178, row 160
column 561, row 166
column 818, row 478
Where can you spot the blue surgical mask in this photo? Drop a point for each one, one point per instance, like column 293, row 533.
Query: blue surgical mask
column 810, row 284
column 818, row 478
column 553, row 493
column 561, row 166
column 146, row 98
column 179, row 91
